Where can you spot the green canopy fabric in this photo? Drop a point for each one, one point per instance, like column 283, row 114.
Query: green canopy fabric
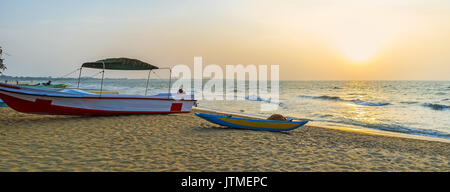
column 120, row 64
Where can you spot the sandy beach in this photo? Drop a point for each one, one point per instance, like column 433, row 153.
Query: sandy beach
column 183, row 142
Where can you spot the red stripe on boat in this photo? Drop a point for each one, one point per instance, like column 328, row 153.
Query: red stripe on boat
column 9, row 86
column 176, row 107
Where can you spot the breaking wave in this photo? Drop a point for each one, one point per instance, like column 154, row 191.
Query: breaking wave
column 335, row 98
column 256, row 98
column 396, row 128
column 359, row 102
column 438, row 107
column 324, row 97
column 408, row 102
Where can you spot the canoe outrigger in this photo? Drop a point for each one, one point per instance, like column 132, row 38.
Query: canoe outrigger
column 79, row 102
column 255, row 124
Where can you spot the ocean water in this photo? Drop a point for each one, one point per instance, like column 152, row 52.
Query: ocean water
column 411, row 107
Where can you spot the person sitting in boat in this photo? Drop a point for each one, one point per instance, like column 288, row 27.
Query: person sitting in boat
column 181, row 91
column 277, row 117
column 48, row 83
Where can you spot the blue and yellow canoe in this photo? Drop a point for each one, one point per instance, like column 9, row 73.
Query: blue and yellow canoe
column 255, row 124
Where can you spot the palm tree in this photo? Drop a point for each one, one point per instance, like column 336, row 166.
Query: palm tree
column 2, row 66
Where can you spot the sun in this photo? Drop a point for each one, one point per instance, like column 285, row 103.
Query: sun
column 358, row 53
column 358, row 46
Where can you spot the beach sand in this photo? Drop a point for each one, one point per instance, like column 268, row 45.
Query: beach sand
column 183, row 142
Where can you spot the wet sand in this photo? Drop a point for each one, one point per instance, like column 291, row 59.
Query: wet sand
column 183, row 142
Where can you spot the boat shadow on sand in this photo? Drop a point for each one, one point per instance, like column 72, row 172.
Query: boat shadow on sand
column 25, row 118
column 44, row 119
column 224, row 128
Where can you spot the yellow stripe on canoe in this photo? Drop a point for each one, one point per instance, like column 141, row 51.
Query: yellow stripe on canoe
column 283, row 125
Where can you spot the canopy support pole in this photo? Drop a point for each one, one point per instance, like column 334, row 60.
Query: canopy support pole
column 103, row 75
column 79, row 77
column 170, row 79
column 170, row 82
column 148, row 79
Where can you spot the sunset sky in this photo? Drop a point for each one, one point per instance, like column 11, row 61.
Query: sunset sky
column 309, row 39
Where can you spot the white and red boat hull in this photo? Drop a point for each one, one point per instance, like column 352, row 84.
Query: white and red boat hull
column 31, row 100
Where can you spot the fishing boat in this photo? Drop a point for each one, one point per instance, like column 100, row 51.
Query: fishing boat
column 46, row 85
column 61, row 85
column 255, row 124
column 79, row 102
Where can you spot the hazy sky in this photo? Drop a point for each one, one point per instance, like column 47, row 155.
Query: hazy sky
column 309, row 39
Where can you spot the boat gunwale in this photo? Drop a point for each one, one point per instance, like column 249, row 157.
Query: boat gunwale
column 3, row 86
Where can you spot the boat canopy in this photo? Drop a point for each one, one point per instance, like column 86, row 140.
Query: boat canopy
column 119, row 64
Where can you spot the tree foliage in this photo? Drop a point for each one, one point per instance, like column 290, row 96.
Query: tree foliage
column 2, row 65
